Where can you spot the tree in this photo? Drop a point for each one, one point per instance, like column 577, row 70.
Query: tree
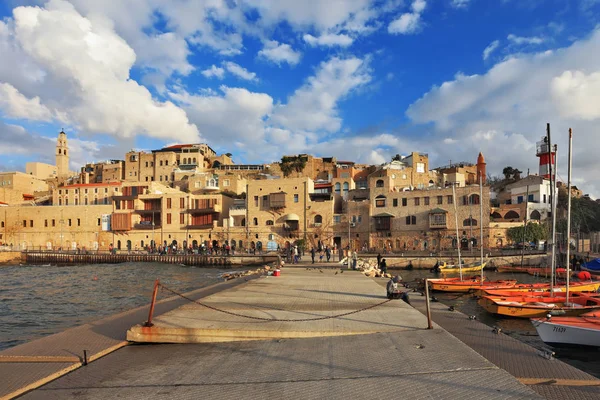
column 397, row 157
column 508, row 172
column 532, row 233
column 291, row 164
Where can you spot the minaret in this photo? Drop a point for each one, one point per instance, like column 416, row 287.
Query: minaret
column 481, row 168
column 62, row 155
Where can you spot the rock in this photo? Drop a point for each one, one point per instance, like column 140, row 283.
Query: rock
column 267, row 268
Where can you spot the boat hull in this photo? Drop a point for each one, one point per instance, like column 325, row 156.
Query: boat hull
column 559, row 332
column 466, row 286
column 536, row 307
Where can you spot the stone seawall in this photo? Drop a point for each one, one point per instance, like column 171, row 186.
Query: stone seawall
column 10, row 257
column 396, row 262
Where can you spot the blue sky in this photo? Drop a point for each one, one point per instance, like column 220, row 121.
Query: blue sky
column 357, row 79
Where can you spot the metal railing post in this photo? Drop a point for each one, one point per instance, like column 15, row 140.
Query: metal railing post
column 154, row 293
column 427, row 308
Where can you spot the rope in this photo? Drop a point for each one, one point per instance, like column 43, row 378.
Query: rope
column 272, row 319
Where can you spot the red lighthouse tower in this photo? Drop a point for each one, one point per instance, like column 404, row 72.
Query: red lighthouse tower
column 546, row 157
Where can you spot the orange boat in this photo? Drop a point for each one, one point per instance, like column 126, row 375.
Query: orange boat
column 547, row 272
column 508, row 268
column 592, row 286
column 580, row 331
column 528, row 306
column 456, row 285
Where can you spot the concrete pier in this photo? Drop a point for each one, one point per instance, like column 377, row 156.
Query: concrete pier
column 382, row 352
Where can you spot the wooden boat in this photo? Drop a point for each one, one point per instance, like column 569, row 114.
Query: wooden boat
column 466, row 285
column 545, row 287
column 531, row 306
column 582, row 331
column 547, row 272
column 465, row 268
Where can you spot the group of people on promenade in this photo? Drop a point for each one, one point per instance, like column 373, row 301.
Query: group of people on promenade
column 322, row 252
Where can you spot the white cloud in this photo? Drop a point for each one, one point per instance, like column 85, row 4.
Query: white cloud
column 313, row 107
column 240, row 71
column 504, row 111
column 328, row 40
column 577, row 94
column 279, row 53
column 490, row 49
column 214, row 72
column 15, row 105
column 408, row 23
column 89, row 64
column 214, row 112
column 533, row 40
column 460, row 3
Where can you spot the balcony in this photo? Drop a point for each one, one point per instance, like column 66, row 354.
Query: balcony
column 237, row 211
column 152, row 211
column 144, row 225
column 204, row 226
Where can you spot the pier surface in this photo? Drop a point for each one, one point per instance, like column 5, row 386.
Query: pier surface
column 383, row 352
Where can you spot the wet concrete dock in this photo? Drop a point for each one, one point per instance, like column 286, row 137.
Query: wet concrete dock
column 382, row 353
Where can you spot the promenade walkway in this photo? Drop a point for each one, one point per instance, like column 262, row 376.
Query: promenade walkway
column 380, row 353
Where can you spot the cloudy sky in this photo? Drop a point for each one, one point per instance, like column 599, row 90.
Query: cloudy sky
column 361, row 80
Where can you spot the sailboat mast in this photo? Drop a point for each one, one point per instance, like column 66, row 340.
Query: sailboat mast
column 525, row 223
column 569, row 210
column 481, row 223
column 456, row 224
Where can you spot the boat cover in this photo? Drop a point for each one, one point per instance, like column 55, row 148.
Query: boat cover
column 593, row 265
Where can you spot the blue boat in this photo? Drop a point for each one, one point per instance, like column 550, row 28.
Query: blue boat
column 592, row 266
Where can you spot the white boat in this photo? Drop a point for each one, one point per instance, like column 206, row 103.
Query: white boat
column 581, row 331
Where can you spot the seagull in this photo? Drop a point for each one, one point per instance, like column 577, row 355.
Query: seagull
column 472, row 317
column 451, row 308
column 336, row 272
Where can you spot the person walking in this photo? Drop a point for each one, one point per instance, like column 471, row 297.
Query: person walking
column 312, row 254
column 379, row 260
column 328, row 253
column 383, row 266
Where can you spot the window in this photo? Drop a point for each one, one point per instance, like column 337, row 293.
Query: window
column 45, row 223
column 86, row 201
column 225, row 182
column 78, row 222
column 318, row 220
column 270, row 222
column 98, row 221
column 426, row 200
column 449, row 199
column 31, row 223
column 379, row 183
column 105, row 200
column 181, row 218
column 411, row 220
column 60, row 191
column 168, row 203
column 404, row 202
column 395, row 202
column 96, row 190
column 2, row 224
column 338, row 188
column 265, row 201
column 440, row 199
column 146, row 163
column 166, row 162
column 470, row 222
column 380, row 201
column 295, row 198
column 86, row 191
column 166, row 178
column 70, row 222
column 530, row 198
column 255, row 201
column 60, row 202
column 420, row 168
column 182, row 202
column 345, row 187
column 544, row 198
column 255, row 221
column 337, row 219
column 53, row 222
column 161, row 163
column 417, row 201
column 160, row 178
column 76, row 201
column 24, row 223
column 105, row 190
column 168, row 218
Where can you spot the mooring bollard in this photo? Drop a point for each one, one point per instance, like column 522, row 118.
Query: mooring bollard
column 154, row 293
column 429, row 324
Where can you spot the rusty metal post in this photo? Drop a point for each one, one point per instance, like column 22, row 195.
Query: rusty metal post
column 427, row 308
column 154, row 293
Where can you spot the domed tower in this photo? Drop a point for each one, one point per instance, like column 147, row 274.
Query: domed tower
column 62, row 155
column 481, row 168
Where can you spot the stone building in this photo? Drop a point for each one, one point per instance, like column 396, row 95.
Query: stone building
column 18, row 187
column 85, row 194
column 103, row 172
column 41, row 170
column 62, row 156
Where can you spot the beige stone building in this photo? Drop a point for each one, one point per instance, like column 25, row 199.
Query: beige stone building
column 85, row 194
column 41, row 170
column 18, row 187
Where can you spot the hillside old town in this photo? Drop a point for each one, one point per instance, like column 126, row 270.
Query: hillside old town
column 186, row 196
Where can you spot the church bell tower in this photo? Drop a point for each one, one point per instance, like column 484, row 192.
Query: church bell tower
column 62, row 155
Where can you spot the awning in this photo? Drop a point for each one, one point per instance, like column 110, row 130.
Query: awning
column 291, row 217
column 437, row 211
column 383, row 215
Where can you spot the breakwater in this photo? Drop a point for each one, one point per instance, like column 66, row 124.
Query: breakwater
column 61, row 258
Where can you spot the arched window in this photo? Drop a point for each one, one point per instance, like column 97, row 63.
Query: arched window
column 470, row 222
column 380, row 201
column 474, row 199
column 535, row 214
column 337, row 187
column 318, row 219
column 118, row 244
column 431, row 183
column 65, row 153
column 59, row 151
column 511, row 215
column 496, row 215
column 2, row 224
column 345, row 187
column 269, row 222
column 379, row 183
column 194, row 160
column 255, row 221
